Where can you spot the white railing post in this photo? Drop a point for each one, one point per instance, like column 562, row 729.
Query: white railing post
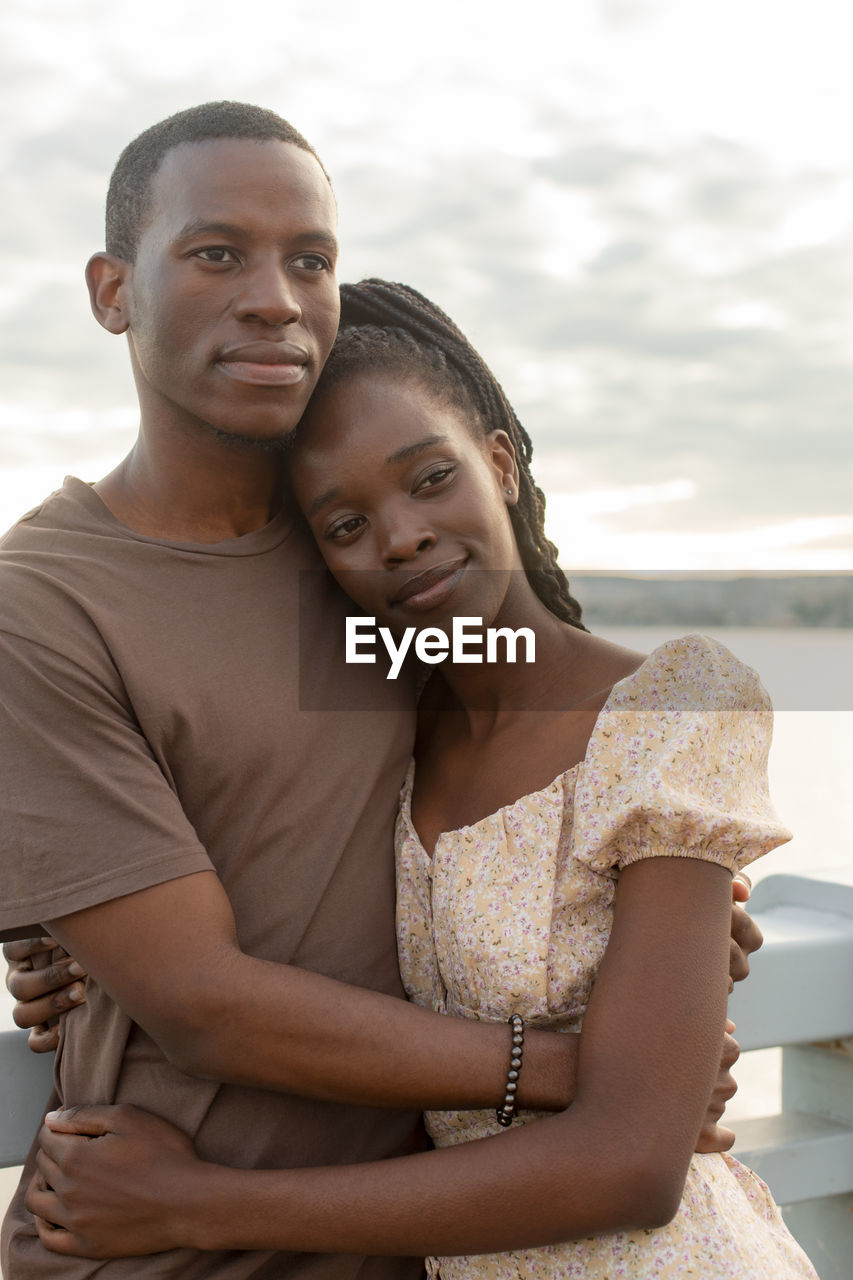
column 800, row 990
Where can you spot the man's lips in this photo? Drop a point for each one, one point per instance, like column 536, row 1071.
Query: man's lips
column 432, row 587
column 265, row 364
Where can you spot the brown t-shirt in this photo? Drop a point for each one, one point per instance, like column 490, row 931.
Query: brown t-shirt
column 156, row 719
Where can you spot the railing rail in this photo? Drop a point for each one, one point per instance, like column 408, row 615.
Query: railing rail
column 800, row 991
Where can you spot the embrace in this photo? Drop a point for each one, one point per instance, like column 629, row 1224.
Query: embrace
column 214, row 813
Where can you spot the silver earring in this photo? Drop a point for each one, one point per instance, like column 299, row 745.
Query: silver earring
column 509, row 493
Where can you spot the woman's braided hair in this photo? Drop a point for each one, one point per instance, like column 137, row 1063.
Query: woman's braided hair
column 393, row 328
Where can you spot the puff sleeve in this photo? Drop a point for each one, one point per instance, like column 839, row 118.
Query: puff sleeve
column 677, row 764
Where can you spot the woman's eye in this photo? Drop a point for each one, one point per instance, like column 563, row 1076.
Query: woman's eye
column 216, row 253
column 435, row 477
column 344, row 528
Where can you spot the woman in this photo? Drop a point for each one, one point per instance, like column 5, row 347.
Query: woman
column 558, row 817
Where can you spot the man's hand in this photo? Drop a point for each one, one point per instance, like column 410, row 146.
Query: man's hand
column 746, row 935
column 713, row 1136
column 45, row 981
column 108, row 1182
column 746, row 938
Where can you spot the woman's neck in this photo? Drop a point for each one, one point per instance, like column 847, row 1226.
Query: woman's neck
column 541, row 678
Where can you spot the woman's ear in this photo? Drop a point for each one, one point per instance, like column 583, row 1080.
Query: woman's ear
column 504, row 461
column 106, row 276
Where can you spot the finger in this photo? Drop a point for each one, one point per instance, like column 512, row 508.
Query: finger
column 32, row 984
column 59, row 1148
column 48, row 1174
column 741, row 887
column 724, row 1090
column 58, row 1152
column 58, row 1240
column 731, row 1052
column 43, row 1039
column 744, row 930
column 714, row 1138
column 25, row 948
column 34, row 1013
column 83, row 1121
column 42, row 1200
column 738, row 964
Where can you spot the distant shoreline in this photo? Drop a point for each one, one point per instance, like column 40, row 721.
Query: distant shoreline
column 716, row 598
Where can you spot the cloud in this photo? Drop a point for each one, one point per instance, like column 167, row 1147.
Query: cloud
column 656, row 307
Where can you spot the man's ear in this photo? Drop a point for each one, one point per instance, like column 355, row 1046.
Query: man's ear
column 106, row 276
column 504, row 461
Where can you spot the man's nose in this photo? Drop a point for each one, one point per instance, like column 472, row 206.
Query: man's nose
column 269, row 294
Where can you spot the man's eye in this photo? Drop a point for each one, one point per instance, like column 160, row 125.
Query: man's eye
column 345, row 527
column 312, row 262
column 216, row 253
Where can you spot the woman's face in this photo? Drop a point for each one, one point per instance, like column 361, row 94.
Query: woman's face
column 409, row 509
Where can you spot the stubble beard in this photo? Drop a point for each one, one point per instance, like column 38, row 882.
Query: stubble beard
column 278, row 445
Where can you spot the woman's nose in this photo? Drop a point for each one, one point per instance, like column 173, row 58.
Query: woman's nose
column 402, row 542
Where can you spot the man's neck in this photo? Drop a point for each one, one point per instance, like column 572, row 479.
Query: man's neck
column 207, row 496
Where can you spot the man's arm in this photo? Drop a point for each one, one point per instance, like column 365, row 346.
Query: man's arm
column 220, row 1014
column 622, row 1149
column 53, row 986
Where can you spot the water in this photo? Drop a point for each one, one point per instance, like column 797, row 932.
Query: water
column 807, row 673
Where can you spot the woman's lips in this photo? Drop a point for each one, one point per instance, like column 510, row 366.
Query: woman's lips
column 431, row 588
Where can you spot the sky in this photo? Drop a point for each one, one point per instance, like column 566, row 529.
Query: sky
column 641, row 212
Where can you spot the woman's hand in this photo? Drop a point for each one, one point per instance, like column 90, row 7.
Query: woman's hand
column 45, row 981
column 110, row 1181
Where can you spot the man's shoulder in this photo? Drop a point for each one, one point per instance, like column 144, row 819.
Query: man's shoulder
column 54, row 558
column 69, row 509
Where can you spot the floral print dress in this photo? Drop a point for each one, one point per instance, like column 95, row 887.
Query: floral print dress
column 512, row 915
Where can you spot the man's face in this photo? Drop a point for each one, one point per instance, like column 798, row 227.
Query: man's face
column 233, row 301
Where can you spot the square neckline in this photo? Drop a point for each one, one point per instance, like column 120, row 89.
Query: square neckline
column 409, row 783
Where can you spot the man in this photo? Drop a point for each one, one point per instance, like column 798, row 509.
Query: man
column 176, row 818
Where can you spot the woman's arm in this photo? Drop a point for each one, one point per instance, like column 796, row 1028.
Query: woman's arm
column 44, row 981
column 615, row 1160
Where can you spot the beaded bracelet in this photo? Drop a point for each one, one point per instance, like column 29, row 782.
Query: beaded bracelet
column 507, row 1111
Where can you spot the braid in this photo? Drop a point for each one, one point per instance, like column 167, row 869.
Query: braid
column 386, row 325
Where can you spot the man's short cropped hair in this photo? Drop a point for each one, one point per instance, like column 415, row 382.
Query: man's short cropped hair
column 129, row 194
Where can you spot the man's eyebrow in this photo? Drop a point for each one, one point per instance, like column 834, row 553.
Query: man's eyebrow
column 231, row 231
column 412, row 450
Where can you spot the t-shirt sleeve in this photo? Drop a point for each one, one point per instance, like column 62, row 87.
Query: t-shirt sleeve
column 677, row 764
column 88, row 813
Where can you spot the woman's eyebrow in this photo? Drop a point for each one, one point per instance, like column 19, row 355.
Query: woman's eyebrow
column 410, row 450
column 321, row 500
column 399, row 455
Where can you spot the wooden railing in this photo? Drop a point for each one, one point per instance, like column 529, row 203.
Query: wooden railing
column 799, row 996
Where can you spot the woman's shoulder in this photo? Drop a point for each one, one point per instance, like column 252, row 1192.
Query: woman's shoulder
column 677, row 763
column 693, row 672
